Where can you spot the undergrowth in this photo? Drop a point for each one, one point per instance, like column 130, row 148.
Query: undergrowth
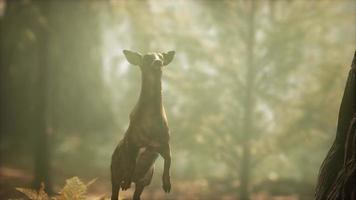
column 74, row 189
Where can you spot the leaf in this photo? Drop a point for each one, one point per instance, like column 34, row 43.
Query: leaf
column 91, row 182
column 74, row 189
column 33, row 194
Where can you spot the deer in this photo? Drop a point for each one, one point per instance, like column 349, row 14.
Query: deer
column 147, row 135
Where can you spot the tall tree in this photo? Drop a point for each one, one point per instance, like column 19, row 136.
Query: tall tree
column 41, row 127
column 248, row 102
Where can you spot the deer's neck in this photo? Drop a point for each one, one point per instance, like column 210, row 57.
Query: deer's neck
column 151, row 93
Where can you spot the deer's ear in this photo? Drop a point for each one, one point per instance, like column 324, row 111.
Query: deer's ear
column 168, row 57
column 134, row 58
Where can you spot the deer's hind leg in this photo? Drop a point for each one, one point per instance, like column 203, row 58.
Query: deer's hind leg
column 116, row 179
column 144, row 171
column 142, row 183
column 138, row 191
column 130, row 155
column 117, row 171
column 115, row 188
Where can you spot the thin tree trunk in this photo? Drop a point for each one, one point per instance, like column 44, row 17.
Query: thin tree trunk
column 42, row 146
column 249, row 103
column 3, row 74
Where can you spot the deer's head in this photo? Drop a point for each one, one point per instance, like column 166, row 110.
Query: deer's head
column 151, row 63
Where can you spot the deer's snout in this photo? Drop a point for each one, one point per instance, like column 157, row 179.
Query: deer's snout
column 157, row 63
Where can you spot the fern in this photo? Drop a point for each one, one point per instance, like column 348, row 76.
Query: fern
column 74, row 189
column 33, row 194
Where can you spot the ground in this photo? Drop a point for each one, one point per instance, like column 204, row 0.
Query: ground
column 11, row 177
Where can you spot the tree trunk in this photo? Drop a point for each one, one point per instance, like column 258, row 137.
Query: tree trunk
column 338, row 171
column 249, row 103
column 3, row 96
column 344, row 187
column 41, row 146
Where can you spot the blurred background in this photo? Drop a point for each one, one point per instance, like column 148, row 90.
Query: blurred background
column 252, row 95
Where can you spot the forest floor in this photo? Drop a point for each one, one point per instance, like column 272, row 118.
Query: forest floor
column 11, row 177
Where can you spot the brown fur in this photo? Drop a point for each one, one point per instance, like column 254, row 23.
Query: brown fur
column 147, row 135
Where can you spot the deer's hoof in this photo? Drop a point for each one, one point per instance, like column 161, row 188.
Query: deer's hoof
column 166, row 185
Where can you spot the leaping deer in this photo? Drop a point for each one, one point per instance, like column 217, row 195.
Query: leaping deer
column 148, row 134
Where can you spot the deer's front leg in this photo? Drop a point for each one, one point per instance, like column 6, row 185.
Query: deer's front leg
column 165, row 152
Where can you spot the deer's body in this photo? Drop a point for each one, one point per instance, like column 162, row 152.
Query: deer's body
column 147, row 135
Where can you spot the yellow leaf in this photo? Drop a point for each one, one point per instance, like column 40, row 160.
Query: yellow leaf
column 33, row 194
column 74, row 189
column 91, row 182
